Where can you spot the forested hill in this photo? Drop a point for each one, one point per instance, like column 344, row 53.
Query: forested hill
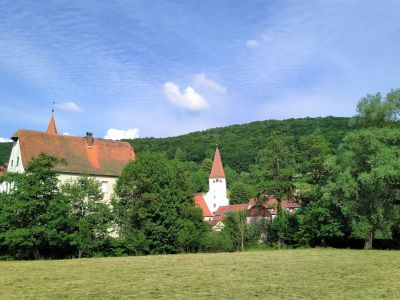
column 5, row 151
column 239, row 144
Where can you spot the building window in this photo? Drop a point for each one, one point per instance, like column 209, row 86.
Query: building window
column 215, row 205
column 12, row 163
column 104, row 187
column 17, row 163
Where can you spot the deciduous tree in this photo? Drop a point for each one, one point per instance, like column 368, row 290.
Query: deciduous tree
column 155, row 201
column 366, row 181
column 34, row 215
column 274, row 173
column 92, row 218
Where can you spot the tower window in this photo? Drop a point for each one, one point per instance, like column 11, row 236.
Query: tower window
column 17, row 162
column 215, row 205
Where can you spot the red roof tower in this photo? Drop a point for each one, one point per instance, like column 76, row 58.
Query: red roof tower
column 217, row 170
column 52, row 129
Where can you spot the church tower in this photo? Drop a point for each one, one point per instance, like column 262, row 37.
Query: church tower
column 217, row 195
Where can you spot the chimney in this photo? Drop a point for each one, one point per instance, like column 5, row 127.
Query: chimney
column 89, row 139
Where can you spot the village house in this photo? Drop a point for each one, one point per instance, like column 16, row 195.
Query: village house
column 257, row 213
column 215, row 205
column 101, row 159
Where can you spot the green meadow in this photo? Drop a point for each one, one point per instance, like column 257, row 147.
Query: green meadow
column 271, row 274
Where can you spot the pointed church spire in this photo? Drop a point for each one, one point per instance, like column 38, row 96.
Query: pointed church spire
column 52, row 129
column 217, row 170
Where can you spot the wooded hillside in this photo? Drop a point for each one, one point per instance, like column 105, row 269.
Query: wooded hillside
column 239, row 144
column 5, row 151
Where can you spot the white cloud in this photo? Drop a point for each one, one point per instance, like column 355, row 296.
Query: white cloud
column 66, row 133
column 252, row 43
column 119, row 134
column 4, row 140
column 202, row 81
column 71, row 106
column 190, row 100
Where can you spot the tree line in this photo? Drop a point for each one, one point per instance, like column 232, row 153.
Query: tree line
column 347, row 192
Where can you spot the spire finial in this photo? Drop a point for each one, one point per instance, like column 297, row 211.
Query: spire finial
column 52, row 111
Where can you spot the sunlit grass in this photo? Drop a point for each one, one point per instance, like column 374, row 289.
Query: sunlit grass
column 309, row 273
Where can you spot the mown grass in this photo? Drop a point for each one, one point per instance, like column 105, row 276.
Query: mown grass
column 308, row 273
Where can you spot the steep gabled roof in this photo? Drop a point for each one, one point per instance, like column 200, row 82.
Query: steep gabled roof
column 52, row 129
column 104, row 157
column 217, row 170
column 200, row 202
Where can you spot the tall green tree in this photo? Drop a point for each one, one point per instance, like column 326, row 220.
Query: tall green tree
column 241, row 192
column 239, row 231
column 277, row 228
column 34, row 219
column 313, row 152
column 91, row 216
column 274, row 172
column 155, row 205
column 375, row 111
column 317, row 224
column 365, row 182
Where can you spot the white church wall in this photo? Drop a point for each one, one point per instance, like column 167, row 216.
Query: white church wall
column 216, row 195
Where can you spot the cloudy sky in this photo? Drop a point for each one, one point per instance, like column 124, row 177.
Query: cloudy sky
column 161, row 68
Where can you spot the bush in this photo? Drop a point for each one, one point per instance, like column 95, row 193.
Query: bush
column 217, row 242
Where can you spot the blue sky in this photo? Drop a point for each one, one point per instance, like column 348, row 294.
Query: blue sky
column 163, row 68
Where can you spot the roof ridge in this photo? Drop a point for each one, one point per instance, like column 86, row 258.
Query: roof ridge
column 70, row 136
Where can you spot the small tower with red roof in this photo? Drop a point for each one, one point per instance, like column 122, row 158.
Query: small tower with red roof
column 217, row 194
column 52, row 129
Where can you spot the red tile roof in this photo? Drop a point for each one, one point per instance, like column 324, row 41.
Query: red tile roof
column 252, row 202
column 52, row 129
column 217, row 170
column 201, row 203
column 272, row 202
column 104, row 157
column 257, row 211
column 291, row 203
column 223, row 210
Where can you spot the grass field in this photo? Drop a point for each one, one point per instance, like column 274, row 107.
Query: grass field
column 308, row 273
